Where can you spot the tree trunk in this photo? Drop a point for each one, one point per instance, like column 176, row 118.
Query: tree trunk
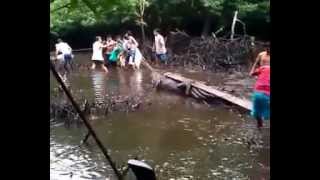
column 142, row 33
column 206, row 26
column 233, row 24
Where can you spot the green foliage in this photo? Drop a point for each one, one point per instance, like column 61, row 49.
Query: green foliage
column 166, row 14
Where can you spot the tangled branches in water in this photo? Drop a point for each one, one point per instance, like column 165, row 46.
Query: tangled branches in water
column 209, row 53
column 63, row 111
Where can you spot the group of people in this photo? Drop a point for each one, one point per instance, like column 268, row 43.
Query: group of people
column 124, row 51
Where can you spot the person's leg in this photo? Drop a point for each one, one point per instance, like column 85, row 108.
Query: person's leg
column 257, row 109
column 259, row 123
column 68, row 60
column 71, row 63
column 266, row 107
column 61, row 69
column 93, row 65
column 122, row 61
column 154, row 57
column 106, row 59
column 65, row 65
column 127, row 59
column 163, row 58
column 107, row 62
column 158, row 59
column 133, row 54
column 104, row 68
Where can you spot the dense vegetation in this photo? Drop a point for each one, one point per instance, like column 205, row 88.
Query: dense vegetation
column 78, row 21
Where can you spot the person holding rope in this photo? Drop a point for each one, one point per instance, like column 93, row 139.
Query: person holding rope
column 117, row 52
column 110, row 43
column 64, row 55
column 261, row 95
column 130, row 45
column 97, row 55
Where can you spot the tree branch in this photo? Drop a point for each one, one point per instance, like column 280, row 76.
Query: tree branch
column 64, row 6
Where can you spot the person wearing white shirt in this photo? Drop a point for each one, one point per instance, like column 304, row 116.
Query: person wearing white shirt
column 159, row 46
column 130, row 46
column 64, row 54
column 97, row 55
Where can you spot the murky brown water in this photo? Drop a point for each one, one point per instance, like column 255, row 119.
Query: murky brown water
column 177, row 136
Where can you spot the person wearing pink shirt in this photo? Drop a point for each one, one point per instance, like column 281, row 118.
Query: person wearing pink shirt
column 261, row 95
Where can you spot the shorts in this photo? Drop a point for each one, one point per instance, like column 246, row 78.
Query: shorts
column 131, row 53
column 161, row 57
column 261, row 105
column 67, row 58
column 98, row 62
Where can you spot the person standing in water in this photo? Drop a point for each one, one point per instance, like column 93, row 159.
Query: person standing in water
column 130, row 45
column 159, row 46
column 64, row 54
column 97, row 55
column 110, row 43
column 261, row 95
column 116, row 52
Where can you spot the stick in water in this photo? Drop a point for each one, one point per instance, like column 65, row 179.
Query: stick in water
column 81, row 114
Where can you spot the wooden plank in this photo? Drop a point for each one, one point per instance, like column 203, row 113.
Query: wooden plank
column 209, row 89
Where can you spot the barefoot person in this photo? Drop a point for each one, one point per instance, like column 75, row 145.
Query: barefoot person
column 97, row 56
column 159, row 46
column 261, row 95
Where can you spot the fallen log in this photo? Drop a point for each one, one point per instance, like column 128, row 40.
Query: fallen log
column 196, row 92
column 197, row 88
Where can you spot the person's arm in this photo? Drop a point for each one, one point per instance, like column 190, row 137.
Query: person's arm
column 69, row 48
column 57, row 50
column 153, row 47
column 134, row 41
column 253, row 69
column 110, row 44
column 161, row 42
column 103, row 45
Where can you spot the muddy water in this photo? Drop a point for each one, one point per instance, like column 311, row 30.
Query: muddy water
column 177, row 136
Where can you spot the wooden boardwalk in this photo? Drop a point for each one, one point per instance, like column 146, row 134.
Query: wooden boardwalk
column 244, row 103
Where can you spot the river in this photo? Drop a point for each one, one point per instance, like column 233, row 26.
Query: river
column 178, row 136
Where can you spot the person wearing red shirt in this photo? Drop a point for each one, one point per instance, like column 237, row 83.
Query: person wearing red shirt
column 261, row 95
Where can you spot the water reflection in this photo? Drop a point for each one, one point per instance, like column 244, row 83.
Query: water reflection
column 68, row 161
column 123, row 86
column 99, row 85
column 178, row 136
column 136, row 82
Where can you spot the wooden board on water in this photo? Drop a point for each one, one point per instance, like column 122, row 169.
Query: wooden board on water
column 244, row 103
